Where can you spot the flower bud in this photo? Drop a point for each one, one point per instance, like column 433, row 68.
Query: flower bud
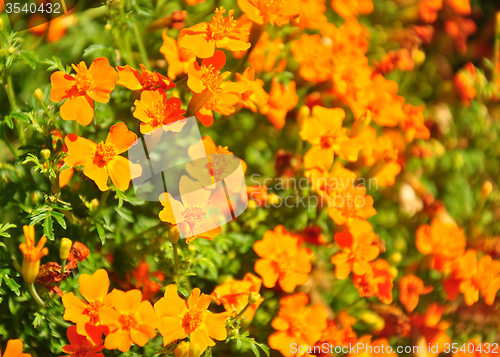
column 182, row 349
column 38, row 94
column 486, row 189
column 173, row 234
column 12, row 50
column 304, row 112
column 45, row 153
column 29, row 270
column 194, row 350
column 64, row 248
column 94, row 203
column 107, row 27
column 253, row 298
column 1, row 24
column 372, row 319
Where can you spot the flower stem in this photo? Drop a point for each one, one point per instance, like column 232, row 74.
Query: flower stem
column 34, row 294
column 9, row 145
column 176, row 258
column 140, row 44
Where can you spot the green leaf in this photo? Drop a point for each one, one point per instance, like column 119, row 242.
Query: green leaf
column 101, row 233
column 4, row 227
column 21, row 117
column 255, row 350
column 10, row 282
column 8, row 121
column 59, row 218
column 30, row 58
column 48, row 226
column 38, row 321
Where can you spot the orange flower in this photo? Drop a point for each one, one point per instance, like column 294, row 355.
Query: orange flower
column 377, row 281
column 95, row 83
column 14, row 347
column 142, row 278
column 94, row 289
column 255, row 95
column 400, row 59
column 258, row 194
column 155, row 111
column 444, row 241
column 460, row 6
column 330, row 183
column 349, row 8
column 413, row 124
column 276, row 12
column 460, row 29
column 235, row 294
column 222, row 102
column 431, row 329
column 130, row 320
column 102, row 160
column 297, row 323
column 221, row 32
column 350, row 205
column 312, row 14
column 325, row 132
column 178, row 57
column 265, row 54
column 32, row 254
column 314, row 58
column 54, row 30
column 378, row 347
column 88, row 345
column 145, row 80
column 282, row 99
column 428, row 9
column 216, row 167
column 180, row 319
column 385, row 105
column 465, row 82
column 282, row 260
column 190, row 214
column 478, row 276
column 410, row 288
column 358, row 249
column 339, row 332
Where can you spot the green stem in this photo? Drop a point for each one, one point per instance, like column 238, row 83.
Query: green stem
column 34, row 294
column 176, row 259
column 9, row 145
column 10, row 93
column 59, row 322
column 140, row 44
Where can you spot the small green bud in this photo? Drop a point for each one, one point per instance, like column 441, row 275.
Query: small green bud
column 38, row 94
column 174, row 234
column 45, row 153
column 65, row 248
column 253, row 298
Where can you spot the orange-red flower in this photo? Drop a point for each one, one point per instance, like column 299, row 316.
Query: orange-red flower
column 254, row 95
column 350, row 205
column 266, row 53
column 235, row 294
column 465, row 82
column 88, row 345
column 358, row 249
column 180, row 319
column 410, row 289
column 14, row 347
column 32, row 254
column 221, row 32
column 145, row 80
column 178, row 57
column 428, row 9
column 460, row 29
column 372, row 348
column 314, row 58
column 282, row 260
column 130, row 320
column 282, row 99
column 331, row 183
column 312, row 14
column 325, row 132
column 274, row 12
column 142, row 277
column 413, row 124
column 444, row 241
column 190, row 215
column 297, row 323
column 377, row 281
column 478, row 277
column 431, row 329
column 89, row 84
column 101, row 161
column 154, row 110
column 349, row 8
column 94, row 289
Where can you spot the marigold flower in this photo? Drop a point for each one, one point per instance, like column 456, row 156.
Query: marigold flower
column 358, row 249
column 460, row 6
column 222, row 102
column 400, row 59
column 14, row 347
column 78, row 253
column 349, row 8
column 32, row 254
column 339, row 332
column 266, row 53
column 94, row 289
column 190, row 214
column 80, row 90
column 330, row 183
column 221, row 32
column 431, row 328
column 145, row 80
column 444, row 241
column 410, row 288
column 88, row 345
column 465, row 82
column 413, row 124
column 187, row 349
column 276, row 12
column 180, row 319
column 282, row 99
column 130, row 320
column 428, row 10
column 314, row 58
column 385, row 105
column 297, row 323
column 377, row 281
column 178, row 57
column 478, row 277
column 142, row 277
column 102, row 160
column 154, row 110
column 312, row 14
column 350, row 205
column 282, row 260
column 254, row 95
column 235, row 294
column 325, row 132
